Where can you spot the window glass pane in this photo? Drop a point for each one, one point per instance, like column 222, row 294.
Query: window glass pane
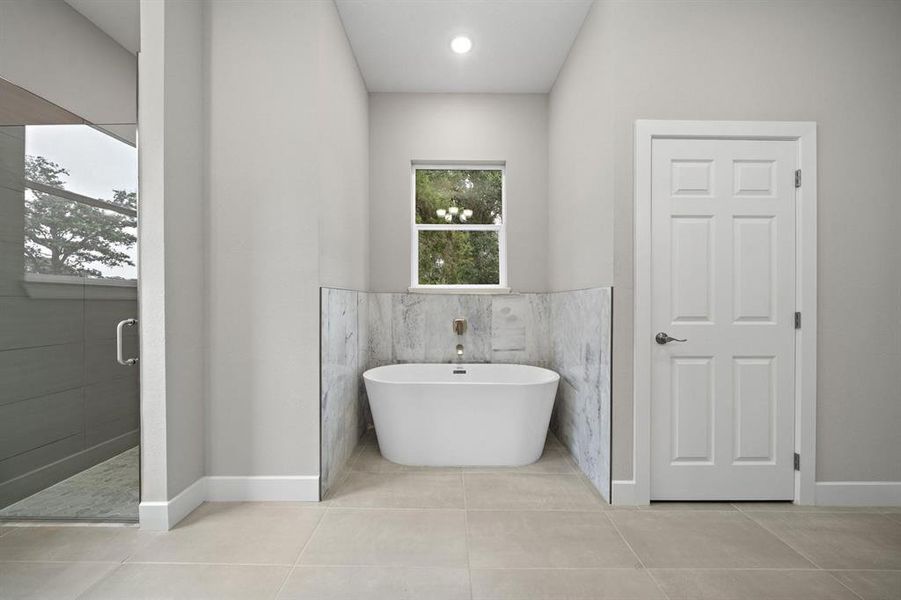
column 65, row 236
column 458, row 258
column 454, row 196
column 93, row 163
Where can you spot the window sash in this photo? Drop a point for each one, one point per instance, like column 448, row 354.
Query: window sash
column 501, row 228
column 455, row 227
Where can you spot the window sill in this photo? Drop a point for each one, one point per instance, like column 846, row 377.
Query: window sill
column 458, row 289
column 62, row 287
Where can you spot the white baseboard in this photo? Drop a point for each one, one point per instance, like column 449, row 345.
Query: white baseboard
column 624, row 493
column 858, row 493
column 164, row 515
column 300, row 488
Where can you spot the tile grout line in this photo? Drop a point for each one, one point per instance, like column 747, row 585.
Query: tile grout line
column 312, row 535
column 778, row 537
column 802, row 554
column 634, row 553
column 100, row 580
column 292, row 568
column 281, row 587
column 466, row 535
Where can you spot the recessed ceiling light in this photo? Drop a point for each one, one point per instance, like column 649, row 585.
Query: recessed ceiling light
column 461, row 44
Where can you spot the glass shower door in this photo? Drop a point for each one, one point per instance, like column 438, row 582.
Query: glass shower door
column 69, row 412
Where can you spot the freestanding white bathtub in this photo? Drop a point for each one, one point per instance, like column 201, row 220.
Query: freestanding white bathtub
column 459, row 415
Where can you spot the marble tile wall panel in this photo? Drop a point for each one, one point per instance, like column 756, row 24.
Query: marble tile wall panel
column 422, row 331
column 565, row 331
column 341, row 370
column 520, row 329
column 580, row 325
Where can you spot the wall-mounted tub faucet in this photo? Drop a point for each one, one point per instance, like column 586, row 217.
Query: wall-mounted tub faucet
column 460, row 351
column 459, row 326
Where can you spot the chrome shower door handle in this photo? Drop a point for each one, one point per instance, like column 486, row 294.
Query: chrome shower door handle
column 128, row 362
column 664, row 338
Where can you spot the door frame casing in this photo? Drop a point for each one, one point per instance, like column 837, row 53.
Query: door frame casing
column 804, row 133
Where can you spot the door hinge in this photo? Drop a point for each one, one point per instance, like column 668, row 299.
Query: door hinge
column 797, row 462
column 797, row 320
column 798, row 178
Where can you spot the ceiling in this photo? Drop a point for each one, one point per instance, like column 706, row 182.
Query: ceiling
column 119, row 19
column 404, row 45
column 18, row 106
column 519, row 46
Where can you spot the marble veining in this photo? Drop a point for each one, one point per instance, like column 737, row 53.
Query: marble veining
column 341, row 406
column 107, row 491
column 520, row 329
column 580, row 353
column 566, row 331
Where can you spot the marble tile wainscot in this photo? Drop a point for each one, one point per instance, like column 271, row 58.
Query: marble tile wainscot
column 344, row 339
column 580, row 352
column 566, row 331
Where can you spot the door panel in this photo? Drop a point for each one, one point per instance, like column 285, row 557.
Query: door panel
column 723, row 279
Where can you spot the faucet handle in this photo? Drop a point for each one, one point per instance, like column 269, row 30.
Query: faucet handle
column 459, row 326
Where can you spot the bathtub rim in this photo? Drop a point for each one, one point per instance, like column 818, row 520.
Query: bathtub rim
column 551, row 376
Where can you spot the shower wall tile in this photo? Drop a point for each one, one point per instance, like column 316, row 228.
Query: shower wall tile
column 580, row 353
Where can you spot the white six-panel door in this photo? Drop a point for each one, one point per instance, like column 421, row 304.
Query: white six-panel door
column 723, row 279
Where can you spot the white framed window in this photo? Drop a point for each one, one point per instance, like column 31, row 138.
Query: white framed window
column 458, row 221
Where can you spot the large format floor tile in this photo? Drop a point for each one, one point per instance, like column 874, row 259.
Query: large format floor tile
column 376, row 537
column 89, row 544
column 376, row 583
column 872, row 585
column 839, row 540
column 524, row 491
column 59, row 581
column 545, row 539
column 399, row 490
column 235, row 533
column 563, row 584
column 554, row 460
column 369, row 459
column 703, row 539
column 190, row 582
column 750, row 584
column 792, row 507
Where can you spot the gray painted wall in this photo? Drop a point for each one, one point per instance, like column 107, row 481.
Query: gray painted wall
column 458, row 127
column 171, row 259
column 51, row 50
column 287, row 185
column 836, row 63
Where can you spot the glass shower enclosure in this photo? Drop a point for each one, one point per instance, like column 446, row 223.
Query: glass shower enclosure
column 69, row 410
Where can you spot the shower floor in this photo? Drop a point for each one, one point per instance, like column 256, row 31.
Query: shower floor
column 108, row 491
